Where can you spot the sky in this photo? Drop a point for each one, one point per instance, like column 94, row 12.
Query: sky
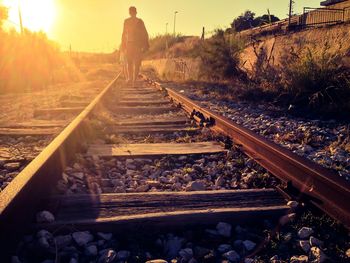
column 96, row 25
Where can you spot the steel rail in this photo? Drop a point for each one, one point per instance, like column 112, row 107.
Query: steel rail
column 322, row 187
column 21, row 198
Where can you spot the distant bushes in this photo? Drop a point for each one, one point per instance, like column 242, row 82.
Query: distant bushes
column 30, row 61
column 169, row 46
column 220, row 56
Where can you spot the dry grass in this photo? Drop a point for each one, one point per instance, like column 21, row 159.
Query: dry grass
column 31, row 62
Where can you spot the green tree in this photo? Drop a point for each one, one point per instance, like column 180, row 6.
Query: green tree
column 244, row 21
column 248, row 20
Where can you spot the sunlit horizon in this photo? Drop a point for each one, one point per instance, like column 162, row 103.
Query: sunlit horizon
column 37, row 15
column 96, row 26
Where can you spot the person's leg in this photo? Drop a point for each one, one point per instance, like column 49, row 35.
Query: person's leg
column 138, row 61
column 130, row 64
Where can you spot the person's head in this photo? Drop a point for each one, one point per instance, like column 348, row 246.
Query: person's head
column 132, row 11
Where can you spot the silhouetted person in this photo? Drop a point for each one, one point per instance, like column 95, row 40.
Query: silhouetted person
column 134, row 43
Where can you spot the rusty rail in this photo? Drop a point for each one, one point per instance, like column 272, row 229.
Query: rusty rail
column 19, row 200
column 320, row 186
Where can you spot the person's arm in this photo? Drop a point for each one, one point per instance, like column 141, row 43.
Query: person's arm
column 145, row 36
column 123, row 44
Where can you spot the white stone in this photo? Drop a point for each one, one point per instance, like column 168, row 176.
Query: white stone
column 305, row 232
column 347, row 253
column 249, row 245
column 224, row 229
column 43, row 243
column 304, row 245
column 196, row 186
column 299, row 259
column 107, row 256
column 79, row 175
column 82, row 238
column 157, row 261
column 232, row 256
column 186, row 254
column 223, row 248
column 63, row 241
column 44, row 233
column 219, row 181
column 287, row 218
column 314, row 242
column 91, row 251
column 172, row 246
column 45, row 217
column 318, row 255
column 293, row 204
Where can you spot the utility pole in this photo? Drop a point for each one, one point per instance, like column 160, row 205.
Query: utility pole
column 166, row 37
column 268, row 12
column 20, row 18
column 203, row 33
column 291, row 4
column 175, row 22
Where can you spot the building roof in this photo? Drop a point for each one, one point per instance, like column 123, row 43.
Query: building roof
column 331, row 2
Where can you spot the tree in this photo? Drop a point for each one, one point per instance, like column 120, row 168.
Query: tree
column 247, row 20
column 244, row 21
column 265, row 19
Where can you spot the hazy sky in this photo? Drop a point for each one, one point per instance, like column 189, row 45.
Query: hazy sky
column 96, row 25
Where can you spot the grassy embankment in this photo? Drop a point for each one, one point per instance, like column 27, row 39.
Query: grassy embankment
column 310, row 78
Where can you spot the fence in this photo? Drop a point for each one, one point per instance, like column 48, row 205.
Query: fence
column 321, row 16
column 310, row 17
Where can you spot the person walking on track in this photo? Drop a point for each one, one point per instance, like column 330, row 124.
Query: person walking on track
column 135, row 42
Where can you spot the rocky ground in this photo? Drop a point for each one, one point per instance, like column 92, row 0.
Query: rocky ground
column 232, row 170
column 299, row 236
column 16, row 153
column 295, row 242
column 326, row 142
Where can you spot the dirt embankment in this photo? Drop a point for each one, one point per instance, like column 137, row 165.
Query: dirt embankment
column 276, row 48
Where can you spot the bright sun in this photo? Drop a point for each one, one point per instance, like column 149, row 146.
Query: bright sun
column 37, row 15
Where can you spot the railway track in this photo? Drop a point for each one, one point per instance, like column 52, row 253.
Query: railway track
column 97, row 198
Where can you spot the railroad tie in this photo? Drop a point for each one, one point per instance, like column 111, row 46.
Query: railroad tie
column 154, row 149
column 166, row 208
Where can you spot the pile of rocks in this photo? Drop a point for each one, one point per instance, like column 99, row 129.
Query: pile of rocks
column 222, row 243
column 232, row 170
column 16, row 153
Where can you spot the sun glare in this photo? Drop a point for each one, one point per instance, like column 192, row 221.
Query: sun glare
column 37, row 15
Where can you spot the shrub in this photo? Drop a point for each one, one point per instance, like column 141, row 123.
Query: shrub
column 159, row 44
column 318, row 79
column 220, row 56
column 30, row 61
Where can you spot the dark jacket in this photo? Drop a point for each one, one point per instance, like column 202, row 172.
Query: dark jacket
column 135, row 34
